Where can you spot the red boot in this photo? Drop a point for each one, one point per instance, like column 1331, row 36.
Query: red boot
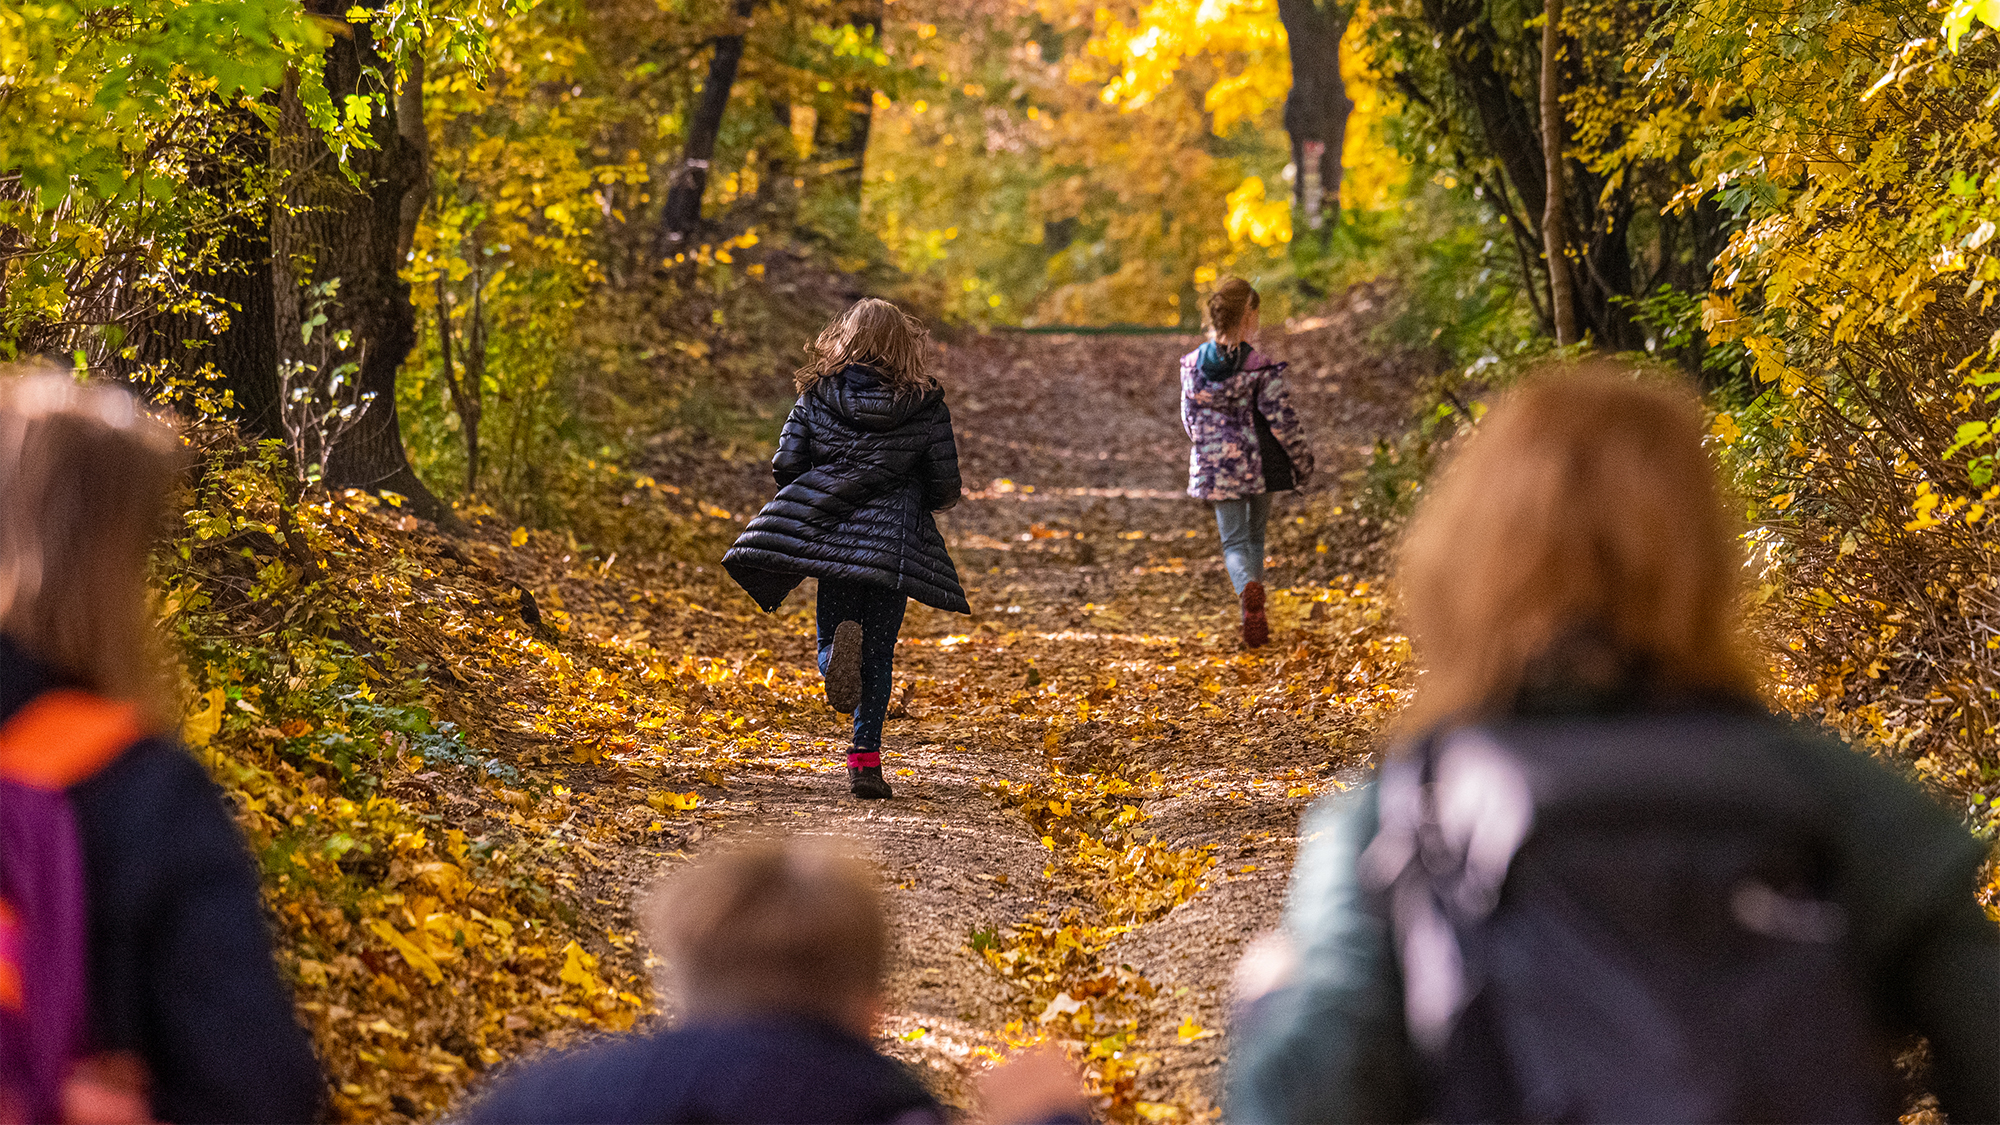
column 1256, row 629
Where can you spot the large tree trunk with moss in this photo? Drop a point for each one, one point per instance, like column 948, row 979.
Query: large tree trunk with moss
column 343, row 230
column 1317, row 107
column 237, row 332
column 689, row 182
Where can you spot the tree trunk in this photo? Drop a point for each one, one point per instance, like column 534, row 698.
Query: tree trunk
column 775, row 193
column 244, row 349
column 329, row 229
column 416, row 136
column 467, row 391
column 475, row 377
column 682, row 213
column 850, row 152
column 1317, row 107
column 1562, row 288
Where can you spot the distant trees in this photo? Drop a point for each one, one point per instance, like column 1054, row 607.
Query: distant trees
column 688, row 182
column 847, row 148
column 1495, row 90
column 819, row 58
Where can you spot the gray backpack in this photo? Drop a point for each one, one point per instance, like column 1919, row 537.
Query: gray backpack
column 1623, row 920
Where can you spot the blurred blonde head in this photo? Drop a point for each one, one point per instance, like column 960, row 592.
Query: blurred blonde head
column 1578, row 541
column 874, row 333
column 790, row 926
column 84, row 478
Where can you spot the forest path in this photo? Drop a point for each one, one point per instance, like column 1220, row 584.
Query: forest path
column 1100, row 672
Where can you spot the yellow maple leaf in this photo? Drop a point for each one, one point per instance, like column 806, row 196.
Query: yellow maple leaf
column 416, row 957
column 198, row 728
column 1190, row 1031
column 682, row 802
column 580, row 969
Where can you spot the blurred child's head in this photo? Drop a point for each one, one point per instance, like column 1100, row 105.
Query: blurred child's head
column 1231, row 308
column 1578, row 542
column 781, row 926
column 876, row 334
column 84, row 477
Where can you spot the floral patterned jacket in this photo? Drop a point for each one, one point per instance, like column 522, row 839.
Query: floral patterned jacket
column 1220, row 419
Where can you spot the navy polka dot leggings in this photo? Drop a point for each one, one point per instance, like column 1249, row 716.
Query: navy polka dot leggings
column 880, row 612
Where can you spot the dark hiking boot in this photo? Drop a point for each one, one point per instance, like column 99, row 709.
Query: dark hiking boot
column 1256, row 628
column 864, row 776
column 843, row 669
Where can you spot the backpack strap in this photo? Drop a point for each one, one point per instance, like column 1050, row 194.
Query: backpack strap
column 63, row 737
column 1455, row 808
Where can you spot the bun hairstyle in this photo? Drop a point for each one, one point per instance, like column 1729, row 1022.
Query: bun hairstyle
column 1226, row 307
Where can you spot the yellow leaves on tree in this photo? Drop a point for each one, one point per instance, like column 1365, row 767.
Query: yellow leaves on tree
column 1244, row 36
column 1255, row 219
column 1858, row 290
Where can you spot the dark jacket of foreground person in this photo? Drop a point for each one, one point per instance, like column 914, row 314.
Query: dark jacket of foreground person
column 179, row 964
column 1333, row 1042
column 860, row 469
column 775, row 1069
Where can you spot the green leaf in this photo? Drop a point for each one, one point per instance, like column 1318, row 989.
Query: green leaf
column 1969, row 433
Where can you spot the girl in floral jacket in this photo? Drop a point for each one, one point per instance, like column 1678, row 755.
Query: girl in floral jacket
column 1247, row 442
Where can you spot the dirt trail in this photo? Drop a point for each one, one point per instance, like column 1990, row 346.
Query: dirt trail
column 1097, row 789
column 1102, row 651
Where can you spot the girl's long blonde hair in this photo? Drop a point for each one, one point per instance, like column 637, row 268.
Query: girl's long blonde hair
column 1584, row 506
column 84, row 479
column 874, row 333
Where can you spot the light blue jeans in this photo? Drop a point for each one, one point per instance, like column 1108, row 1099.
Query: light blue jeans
column 1242, row 525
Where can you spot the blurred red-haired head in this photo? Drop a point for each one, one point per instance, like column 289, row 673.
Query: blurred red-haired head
column 1579, row 541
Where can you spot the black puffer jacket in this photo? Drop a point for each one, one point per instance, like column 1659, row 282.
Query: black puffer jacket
column 860, row 470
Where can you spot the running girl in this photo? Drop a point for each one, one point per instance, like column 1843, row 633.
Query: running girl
column 864, row 460
column 1247, row 442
